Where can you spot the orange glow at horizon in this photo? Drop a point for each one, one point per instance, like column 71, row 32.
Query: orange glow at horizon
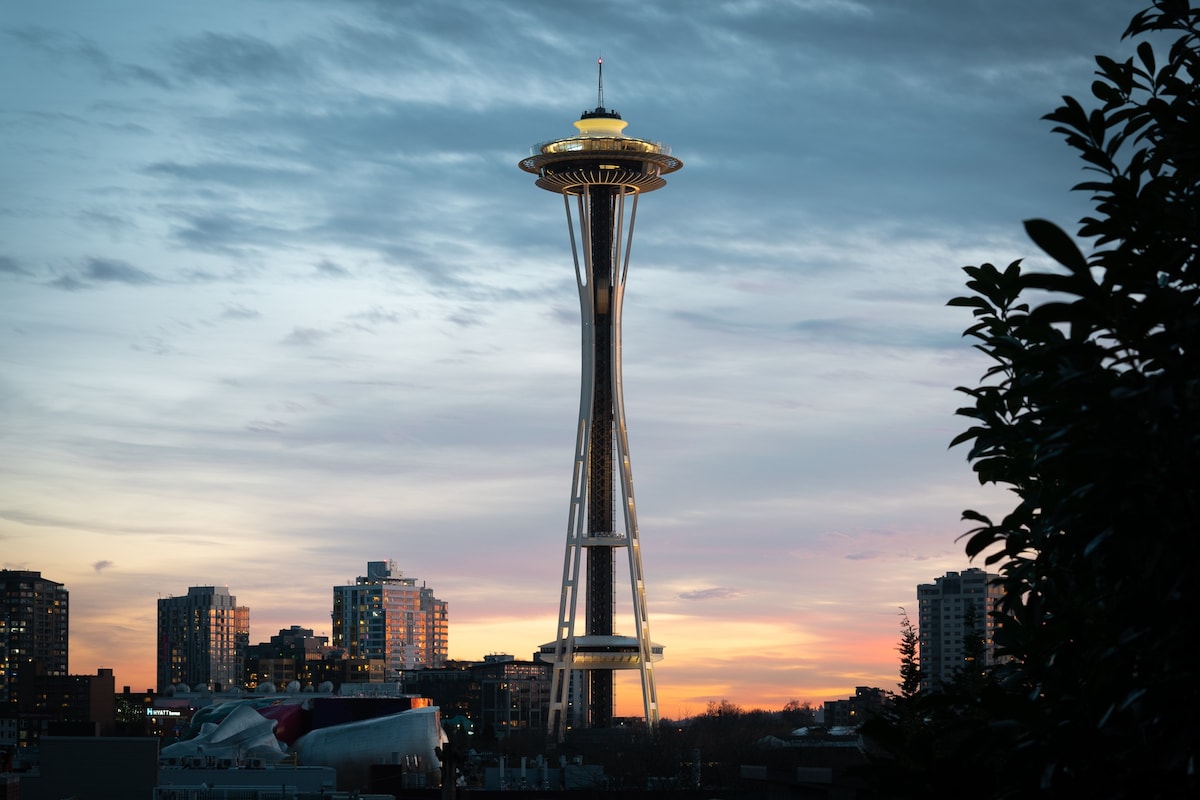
column 768, row 675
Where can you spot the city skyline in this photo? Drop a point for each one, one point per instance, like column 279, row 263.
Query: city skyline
column 275, row 302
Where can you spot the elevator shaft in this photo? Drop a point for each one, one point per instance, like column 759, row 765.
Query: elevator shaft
column 601, row 461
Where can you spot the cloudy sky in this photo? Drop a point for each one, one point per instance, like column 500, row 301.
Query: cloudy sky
column 276, row 300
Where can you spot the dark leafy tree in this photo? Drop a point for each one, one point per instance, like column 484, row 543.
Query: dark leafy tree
column 796, row 714
column 1090, row 414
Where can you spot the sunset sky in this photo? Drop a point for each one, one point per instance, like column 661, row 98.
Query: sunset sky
column 276, row 301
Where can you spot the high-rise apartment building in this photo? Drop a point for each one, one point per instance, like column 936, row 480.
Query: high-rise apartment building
column 37, row 696
column 202, row 639
column 33, row 630
column 953, row 611
column 387, row 616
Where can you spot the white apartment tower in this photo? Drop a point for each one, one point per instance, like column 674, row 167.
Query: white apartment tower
column 954, row 607
column 386, row 616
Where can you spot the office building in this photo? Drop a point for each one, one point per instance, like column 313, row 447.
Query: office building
column 954, row 622
column 202, row 639
column 600, row 173
column 386, row 616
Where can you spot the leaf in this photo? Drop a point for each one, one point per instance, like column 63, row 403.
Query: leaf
column 979, row 542
column 966, row 436
column 1108, row 66
column 1049, row 282
column 1070, row 114
column 1102, row 91
column 1056, row 244
column 975, row 516
column 971, row 302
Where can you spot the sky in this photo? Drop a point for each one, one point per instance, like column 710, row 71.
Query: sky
column 276, row 301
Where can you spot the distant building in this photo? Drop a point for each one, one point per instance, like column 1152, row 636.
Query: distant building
column 854, row 711
column 341, row 669
column 202, row 639
column 99, row 768
column 386, row 616
column 33, row 630
column 514, row 695
column 453, row 688
column 290, row 655
column 135, row 715
column 499, row 696
column 954, row 610
column 37, row 696
column 33, row 650
column 68, row 705
column 296, row 655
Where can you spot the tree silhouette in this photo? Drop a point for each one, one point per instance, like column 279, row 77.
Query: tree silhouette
column 910, row 664
column 1090, row 416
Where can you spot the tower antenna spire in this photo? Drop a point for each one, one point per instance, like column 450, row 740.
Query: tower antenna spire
column 600, row 84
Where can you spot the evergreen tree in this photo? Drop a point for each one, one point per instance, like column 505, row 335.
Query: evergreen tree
column 910, row 664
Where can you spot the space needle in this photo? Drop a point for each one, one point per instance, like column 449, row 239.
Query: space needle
column 601, row 173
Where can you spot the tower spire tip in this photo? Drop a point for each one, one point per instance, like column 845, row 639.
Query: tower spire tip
column 600, row 110
column 600, row 84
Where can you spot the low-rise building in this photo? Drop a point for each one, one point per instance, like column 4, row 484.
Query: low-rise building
column 854, row 711
column 499, row 695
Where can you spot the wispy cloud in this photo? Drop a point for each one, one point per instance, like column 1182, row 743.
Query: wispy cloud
column 306, row 337
column 240, row 312
column 328, row 269
column 240, row 175
column 100, row 271
column 69, row 283
column 227, row 233
column 9, row 266
column 105, row 270
column 715, row 593
column 57, row 46
column 233, row 60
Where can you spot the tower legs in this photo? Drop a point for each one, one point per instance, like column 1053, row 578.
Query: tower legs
column 582, row 683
